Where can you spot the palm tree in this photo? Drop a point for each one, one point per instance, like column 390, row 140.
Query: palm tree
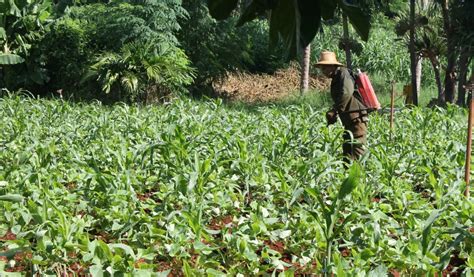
column 431, row 45
column 303, row 53
column 428, row 41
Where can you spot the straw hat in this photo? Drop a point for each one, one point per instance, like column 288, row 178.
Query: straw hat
column 327, row 58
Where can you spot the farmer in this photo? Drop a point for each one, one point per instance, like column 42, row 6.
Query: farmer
column 347, row 107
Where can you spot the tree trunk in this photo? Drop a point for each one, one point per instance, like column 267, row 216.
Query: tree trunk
column 449, row 80
column 439, row 85
column 345, row 27
column 419, row 68
column 305, row 68
column 464, row 60
column 302, row 54
column 412, row 52
column 299, row 50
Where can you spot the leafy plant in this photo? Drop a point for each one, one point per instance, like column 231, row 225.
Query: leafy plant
column 217, row 47
column 204, row 188
column 65, row 48
column 21, row 26
column 142, row 69
column 331, row 213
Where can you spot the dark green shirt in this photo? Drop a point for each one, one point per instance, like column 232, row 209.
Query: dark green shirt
column 346, row 104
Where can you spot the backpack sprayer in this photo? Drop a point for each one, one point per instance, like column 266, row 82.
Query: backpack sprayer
column 366, row 91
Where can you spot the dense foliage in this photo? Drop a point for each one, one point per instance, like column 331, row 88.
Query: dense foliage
column 201, row 188
column 88, row 49
column 216, row 48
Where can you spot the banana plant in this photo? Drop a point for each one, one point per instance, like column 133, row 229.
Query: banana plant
column 294, row 22
column 21, row 26
column 29, row 15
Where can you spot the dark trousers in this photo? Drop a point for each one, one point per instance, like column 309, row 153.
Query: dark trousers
column 355, row 140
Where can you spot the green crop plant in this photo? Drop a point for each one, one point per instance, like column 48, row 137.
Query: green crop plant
column 331, row 212
column 205, row 188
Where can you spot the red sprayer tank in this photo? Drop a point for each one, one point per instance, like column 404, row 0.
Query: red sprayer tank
column 367, row 91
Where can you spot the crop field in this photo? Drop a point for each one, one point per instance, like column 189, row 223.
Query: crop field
column 208, row 189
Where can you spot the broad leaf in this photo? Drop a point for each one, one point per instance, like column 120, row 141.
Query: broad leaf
column 221, row 9
column 310, row 20
column 283, row 25
column 285, row 18
column 328, row 7
column 127, row 249
column 9, row 59
column 350, row 182
column 252, row 11
column 358, row 19
column 11, row 198
column 290, row 17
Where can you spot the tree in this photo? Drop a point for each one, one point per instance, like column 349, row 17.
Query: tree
column 449, row 77
column 413, row 53
column 459, row 35
column 286, row 15
column 464, row 35
column 431, row 45
column 429, row 41
column 141, row 68
column 347, row 48
column 295, row 22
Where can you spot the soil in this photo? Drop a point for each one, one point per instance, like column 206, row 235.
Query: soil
column 454, row 267
column 70, row 185
column 345, row 252
column 78, row 269
column 376, row 199
column 276, row 246
column 8, row 236
column 394, row 273
column 219, row 223
column 173, row 265
column 261, row 88
column 280, row 247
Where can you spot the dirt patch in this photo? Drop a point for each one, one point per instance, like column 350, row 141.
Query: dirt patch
column 21, row 262
column 174, row 266
column 393, row 273
column 8, row 236
column 251, row 88
column 455, row 266
column 220, row 222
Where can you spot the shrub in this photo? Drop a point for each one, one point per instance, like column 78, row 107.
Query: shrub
column 125, row 49
column 141, row 71
column 65, row 47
